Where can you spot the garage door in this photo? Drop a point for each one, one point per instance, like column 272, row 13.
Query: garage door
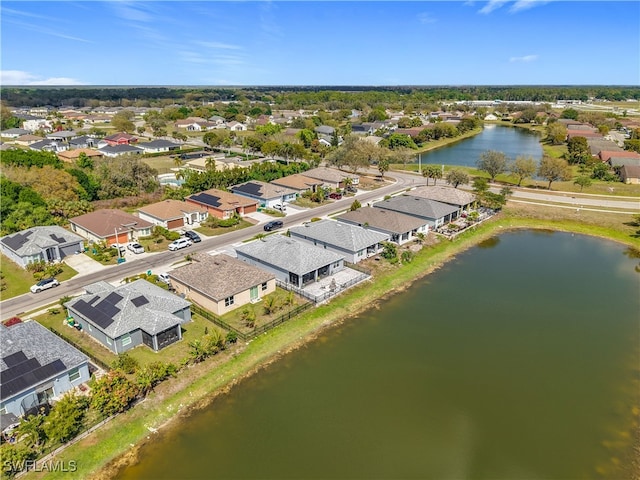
column 177, row 223
column 70, row 249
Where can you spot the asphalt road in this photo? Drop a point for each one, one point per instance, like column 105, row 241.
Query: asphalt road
column 30, row 301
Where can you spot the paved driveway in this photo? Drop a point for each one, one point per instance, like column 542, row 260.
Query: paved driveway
column 83, row 264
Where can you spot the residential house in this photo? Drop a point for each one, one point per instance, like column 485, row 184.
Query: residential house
column 73, row 155
column 35, row 244
column 401, row 228
column 26, row 140
column 298, row 182
column 118, row 150
column 217, row 119
column 14, row 132
column 221, row 204
column 172, row 214
column 361, row 129
column 607, row 155
column 583, row 133
column 435, row 213
column 110, row 226
column 185, row 122
column 37, row 368
column 451, row 196
column 267, row 194
column 62, row 136
column 236, row 126
column 597, row 145
column 490, row 117
column 325, row 130
column 129, row 315
column 291, row 260
column 83, row 141
column 630, row 174
column 221, row 283
column 353, row 242
column 47, row 146
column 157, row 146
column 332, row 177
column 121, row 138
column 33, row 124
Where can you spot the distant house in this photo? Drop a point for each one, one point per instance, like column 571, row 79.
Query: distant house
column 597, row 145
column 332, row 177
column 159, row 145
column 73, row 155
column 400, row 227
column 83, row 141
column 35, row 244
column 13, row 132
column 62, row 136
column 37, row 367
column 630, row 174
column 298, row 182
column 361, row 129
column 221, row 283
column 26, row 140
column 354, row 243
column 583, row 133
column 222, row 204
column 291, row 260
column 449, row 195
column 267, row 194
column 33, row 124
column 118, row 150
column 120, row 139
column 189, row 121
column 325, row 130
column 607, row 155
column 435, row 213
column 129, row 315
column 490, row 117
column 236, row 126
column 172, row 214
column 110, row 226
column 47, row 145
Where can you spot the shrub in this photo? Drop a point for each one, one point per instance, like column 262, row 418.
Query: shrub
column 315, row 219
column 389, row 251
column 231, row 337
column 113, row 393
column 168, row 234
column 407, row 256
column 125, row 363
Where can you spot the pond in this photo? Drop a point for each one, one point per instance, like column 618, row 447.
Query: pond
column 509, row 140
column 517, row 359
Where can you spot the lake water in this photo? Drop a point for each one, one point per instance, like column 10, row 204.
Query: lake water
column 509, row 140
column 518, row 359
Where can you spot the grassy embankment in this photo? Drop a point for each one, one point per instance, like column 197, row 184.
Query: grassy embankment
column 99, row 455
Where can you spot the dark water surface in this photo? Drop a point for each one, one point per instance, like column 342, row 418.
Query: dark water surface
column 509, row 140
column 518, row 359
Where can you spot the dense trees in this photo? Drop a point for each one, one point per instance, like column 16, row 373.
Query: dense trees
column 578, row 151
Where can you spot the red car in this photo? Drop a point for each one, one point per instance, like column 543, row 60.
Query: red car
column 335, row 196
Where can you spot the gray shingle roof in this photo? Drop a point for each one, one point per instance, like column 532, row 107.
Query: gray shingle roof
column 383, row 219
column 120, row 149
column 329, row 174
column 38, row 347
column 440, row 193
column 289, row 254
column 258, row 189
column 33, row 240
column 342, row 235
column 158, row 143
column 416, row 206
column 123, row 315
column 219, row 276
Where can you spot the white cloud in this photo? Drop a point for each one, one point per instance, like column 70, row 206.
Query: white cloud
column 520, row 5
column 219, row 45
column 132, row 12
column 19, row 77
column 524, row 59
column 492, row 5
column 425, row 18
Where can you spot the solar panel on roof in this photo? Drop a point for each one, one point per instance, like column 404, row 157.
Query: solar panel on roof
column 94, row 300
column 57, row 238
column 18, row 370
column 15, row 359
column 108, row 305
column 93, row 314
column 32, row 378
column 139, row 301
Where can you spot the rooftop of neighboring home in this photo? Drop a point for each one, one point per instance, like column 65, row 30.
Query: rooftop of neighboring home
column 32, row 240
column 259, row 189
column 121, row 135
column 616, row 161
column 630, row 171
column 596, row 145
column 42, row 144
column 297, row 181
column 31, row 354
column 219, row 276
column 104, row 222
column 14, row 132
column 120, row 149
column 382, row 219
column 329, row 174
column 69, row 155
column 325, row 130
column 583, row 133
column 606, row 155
column 62, row 134
column 421, row 207
column 158, row 143
column 220, row 199
column 440, row 193
column 170, row 209
column 28, row 138
column 190, row 120
column 123, row 309
column 289, row 254
column 342, row 235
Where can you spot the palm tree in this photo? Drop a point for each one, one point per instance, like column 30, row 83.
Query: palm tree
column 210, row 164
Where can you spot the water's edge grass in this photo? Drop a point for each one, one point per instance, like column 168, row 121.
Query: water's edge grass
column 115, row 445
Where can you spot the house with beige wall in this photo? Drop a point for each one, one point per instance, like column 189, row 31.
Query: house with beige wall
column 221, row 283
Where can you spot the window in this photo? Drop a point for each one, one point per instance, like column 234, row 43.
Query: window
column 126, row 340
column 108, row 341
column 229, row 301
column 90, row 329
column 74, row 374
column 264, row 286
column 3, row 410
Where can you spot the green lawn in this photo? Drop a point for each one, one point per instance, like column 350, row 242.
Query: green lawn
column 162, row 164
column 273, row 213
column 18, row 280
column 212, row 232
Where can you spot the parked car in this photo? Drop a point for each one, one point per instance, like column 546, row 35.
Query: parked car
column 180, row 243
column 135, row 247
column 335, row 196
column 273, row 225
column 44, row 284
column 280, row 207
column 350, row 189
column 163, row 277
column 119, row 248
column 193, row 236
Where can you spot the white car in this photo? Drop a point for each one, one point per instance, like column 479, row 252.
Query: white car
column 180, row 243
column 135, row 247
column 280, row 207
column 44, row 285
column 163, row 277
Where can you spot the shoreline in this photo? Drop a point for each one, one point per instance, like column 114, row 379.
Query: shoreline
column 139, row 426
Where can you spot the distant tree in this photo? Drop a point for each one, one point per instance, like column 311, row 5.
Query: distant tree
column 84, row 161
column 121, row 121
column 383, row 166
column 570, row 113
column 523, row 167
column 432, row 171
column 556, row 133
column 492, row 162
column 480, row 186
column 578, row 151
column 355, row 205
column 554, row 169
column 399, row 140
column 582, row 181
column 457, row 177
column 632, row 145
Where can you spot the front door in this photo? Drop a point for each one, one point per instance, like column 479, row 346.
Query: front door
column 253, row 293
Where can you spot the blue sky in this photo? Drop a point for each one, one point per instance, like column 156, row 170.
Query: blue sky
column 495, row 42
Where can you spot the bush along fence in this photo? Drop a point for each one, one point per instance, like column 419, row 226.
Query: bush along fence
column 244, row 336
